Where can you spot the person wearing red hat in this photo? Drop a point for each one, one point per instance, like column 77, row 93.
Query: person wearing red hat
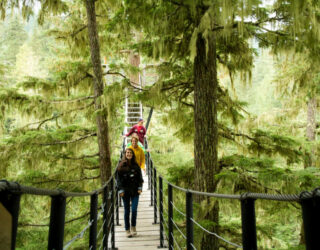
column 139, row 129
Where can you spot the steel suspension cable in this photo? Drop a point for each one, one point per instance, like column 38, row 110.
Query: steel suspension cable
column 78, row 236
column 183, row 235
column 218, row 236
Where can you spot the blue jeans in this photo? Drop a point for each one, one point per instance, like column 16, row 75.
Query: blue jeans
column 134, row 209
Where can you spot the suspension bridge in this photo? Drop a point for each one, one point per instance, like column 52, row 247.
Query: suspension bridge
column 156, row 223
column 157, row 211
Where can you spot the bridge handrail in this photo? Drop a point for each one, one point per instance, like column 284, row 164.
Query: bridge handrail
column 21, row 189
column 263, row 196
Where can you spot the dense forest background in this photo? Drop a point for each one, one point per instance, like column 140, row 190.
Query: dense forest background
column 267, row 120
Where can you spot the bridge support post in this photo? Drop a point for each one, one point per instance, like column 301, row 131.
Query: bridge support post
column 57, row 219
column 11, row 203
column 118, row 202
column 155, row 196
column 105, row 217
column 248, row 217
column 311, row 219
column 93, row 218
column 170, row 216
column 189, row 217
column 151, row 182
column 112, row 214
column 161, row 211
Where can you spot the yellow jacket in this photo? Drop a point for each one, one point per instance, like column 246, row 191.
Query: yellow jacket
column 140, row 158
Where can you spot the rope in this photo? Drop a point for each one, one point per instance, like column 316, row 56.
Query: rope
column 104, row 222
column 78, row 236
column 274, row 197
column 306, row 195
column 178, row 229
column 193, row 246
column 177, row 209
column 174, row 240
column 104, row 236
column 166, row 213
column 277, row 197
column 218, row 236
column 166, row 235
column 102, row 210
column 15, row 187
column 166, row 224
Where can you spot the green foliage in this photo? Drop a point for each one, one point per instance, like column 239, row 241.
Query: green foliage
column 47, row 112
column 182, row 175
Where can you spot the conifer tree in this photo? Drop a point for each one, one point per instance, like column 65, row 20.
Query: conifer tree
column 58, row 7
column 12, row 37
column 208, row 34
column 102, row 118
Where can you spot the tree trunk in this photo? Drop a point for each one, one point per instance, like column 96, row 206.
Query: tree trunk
column 311, row 136
column 102, row 117
column 310, row 159
column 134, row 59
column 311, row 119
column 206, row 129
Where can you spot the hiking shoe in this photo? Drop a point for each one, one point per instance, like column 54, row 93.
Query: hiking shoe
column 134, row 231
column 128, row 234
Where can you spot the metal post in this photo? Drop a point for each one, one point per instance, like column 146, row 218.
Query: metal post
column 151, row 184
column 149, row 118
column 117, row 207
column 311, row 219
column 145, row 143
column 189, row 215
column 248, row 217
column 11, row 202
column 147, row 158
column 93, row 218
column 170, row 217
column 57, row 218
column 105, row 217
column 161, row 211
column 155, row 206
column 112, row 214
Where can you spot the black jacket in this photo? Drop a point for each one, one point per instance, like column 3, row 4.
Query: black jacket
column 129, row 178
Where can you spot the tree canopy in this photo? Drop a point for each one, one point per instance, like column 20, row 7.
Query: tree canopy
column 209, row 68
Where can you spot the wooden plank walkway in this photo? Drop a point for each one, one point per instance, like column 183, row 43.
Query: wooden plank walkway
column 148, row 237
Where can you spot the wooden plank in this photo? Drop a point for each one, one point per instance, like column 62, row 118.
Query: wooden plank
column 148, row 237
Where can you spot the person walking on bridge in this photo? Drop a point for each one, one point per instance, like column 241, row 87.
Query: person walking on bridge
column 129, row 183
column 138, row 152
column 139, row 129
